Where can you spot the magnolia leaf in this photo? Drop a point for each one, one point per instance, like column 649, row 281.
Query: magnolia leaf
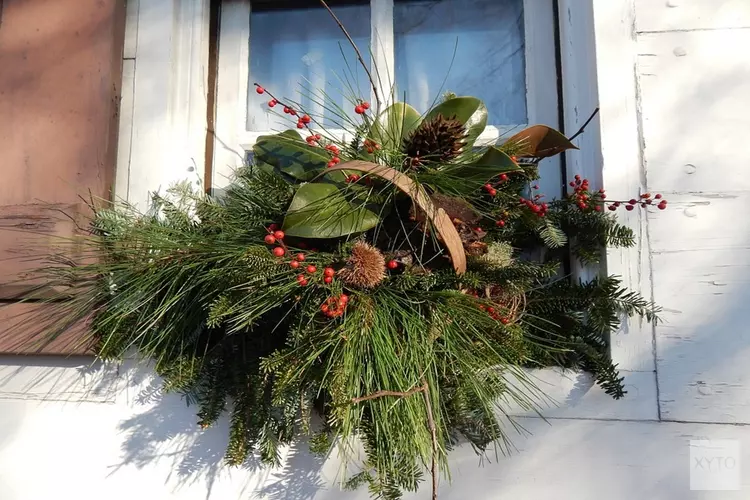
column 468, row 110
column 540, row 141
column 323, row 210
column 288, row 153
column 394, row 124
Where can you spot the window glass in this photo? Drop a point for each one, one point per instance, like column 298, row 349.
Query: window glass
column 468, row 47
column 296, row 50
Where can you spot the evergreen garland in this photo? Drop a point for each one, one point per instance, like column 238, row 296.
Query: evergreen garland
column 314, row 287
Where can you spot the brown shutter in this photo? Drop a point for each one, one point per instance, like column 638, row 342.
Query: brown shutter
column 60, row 72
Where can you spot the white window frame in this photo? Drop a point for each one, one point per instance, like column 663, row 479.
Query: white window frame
column 233, row 138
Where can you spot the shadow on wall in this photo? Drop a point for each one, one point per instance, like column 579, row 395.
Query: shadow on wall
column 165, row 434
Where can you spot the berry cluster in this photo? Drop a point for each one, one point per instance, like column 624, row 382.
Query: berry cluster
column 371, row 146
column 534, row 203
column 276, row 236
column 302, row 122
column 362, row 107
column 335, row 306
column 334, row 150
column 588, row 200
column 313, row 139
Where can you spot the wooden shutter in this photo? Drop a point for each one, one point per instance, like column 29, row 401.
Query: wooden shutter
column 60, row 76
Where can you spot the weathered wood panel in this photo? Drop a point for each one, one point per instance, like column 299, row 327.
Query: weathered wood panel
column 23, row 329
column 695, row 117
column 666, row 15
column 59, row 95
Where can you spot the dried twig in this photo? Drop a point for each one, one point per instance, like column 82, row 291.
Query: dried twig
column 425, row 390
column 583, row 127
column 381, row 394
column 359, row 54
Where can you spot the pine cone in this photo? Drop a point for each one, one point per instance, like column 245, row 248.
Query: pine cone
column 436, row 141
column 365, row 267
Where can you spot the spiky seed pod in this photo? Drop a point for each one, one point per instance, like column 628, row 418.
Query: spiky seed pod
column 438, row 140
column 365, row 267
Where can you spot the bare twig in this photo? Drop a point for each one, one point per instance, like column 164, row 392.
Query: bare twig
column 381, row 394
column 433, row 433
column 359, row 54
column 583, row 127
column 425, row 390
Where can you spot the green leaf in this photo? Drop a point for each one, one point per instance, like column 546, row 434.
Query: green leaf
column 468, row 110
column 394, row 124
column 323, row 210
column 288, row 153
column 492, row 163
column 540, row 141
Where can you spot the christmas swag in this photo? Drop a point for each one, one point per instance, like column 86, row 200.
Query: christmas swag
column 396, row 285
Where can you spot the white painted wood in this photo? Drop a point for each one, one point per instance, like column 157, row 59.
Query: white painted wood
column 580, row 99
column 131, row 29
column 383, row 50
column 231, row 91
column 622, row 174
column 122, row 170
column 574, row 394
column 702, row 279
column 701, row 76
column 669, row 15
column 541, row 82
column 36, row 378
column 169, row 110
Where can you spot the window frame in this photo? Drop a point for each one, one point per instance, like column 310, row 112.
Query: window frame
column 233, row 139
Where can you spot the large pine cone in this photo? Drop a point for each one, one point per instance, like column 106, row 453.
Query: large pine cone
column 438, row 140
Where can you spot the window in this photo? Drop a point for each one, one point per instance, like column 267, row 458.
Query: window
column 502, row 51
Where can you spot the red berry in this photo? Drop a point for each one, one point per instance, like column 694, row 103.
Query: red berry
column 273, row 227
column 662, row 205
column 269, row 239
column 329, row 272
column 324, row 308
column 503, row 177
column 617, row 204
column 366, row 105
column 259, row 89
column 612, row 208
column 658, row 196
column 301, row 277
column 278, row 251
column 628, row 207
column 603, row 196
column 392, row 264
column 272, row 103
column 577, row 177
column 336, row 160
column 492, row 191
column 646, row 195
column 598, row 208
column 360, row 110
column 487, row 186
column 292, row 112
column 344, row 298
column 305, row 119
column 500, row 223
column 331, row 164
column 514, row 158
column 300, row 257
column 327, row 280
column 535, row 186
column 311, row 269
column 504, row 321
column 294, row 264
column 633, row 201
column 286, row 109
column 572, row 184
column 582, row 205
column 302, row 283
column 279, row 235
column 300, row 125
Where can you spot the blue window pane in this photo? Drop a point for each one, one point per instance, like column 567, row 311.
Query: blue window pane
column 296, row 50
column 468, row 47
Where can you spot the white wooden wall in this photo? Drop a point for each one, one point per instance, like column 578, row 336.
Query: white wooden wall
column 672, row 78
